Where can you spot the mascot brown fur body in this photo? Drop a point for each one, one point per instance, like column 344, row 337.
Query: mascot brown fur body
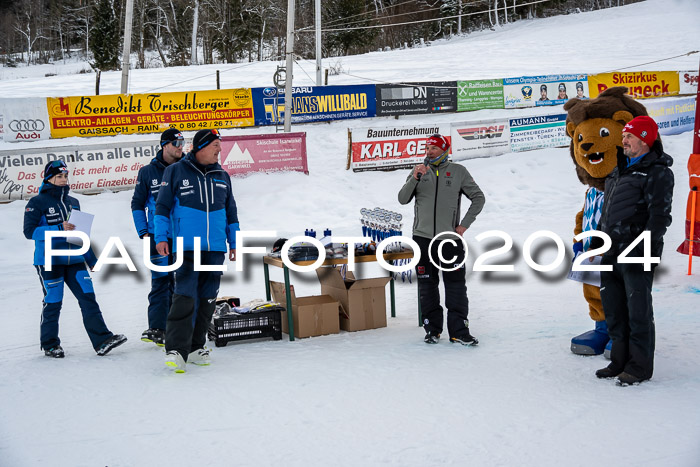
column 595, row 127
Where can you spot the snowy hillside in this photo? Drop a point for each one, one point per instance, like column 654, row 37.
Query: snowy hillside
column 379, row 397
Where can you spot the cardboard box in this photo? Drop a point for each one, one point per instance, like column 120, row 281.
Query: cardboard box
column 363, row 301
column 312, row 316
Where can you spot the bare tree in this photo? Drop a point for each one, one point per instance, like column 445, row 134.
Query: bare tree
column 233, row 30
column 26, row 25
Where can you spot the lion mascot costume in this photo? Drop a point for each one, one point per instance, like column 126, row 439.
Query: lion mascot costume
column 595, row 127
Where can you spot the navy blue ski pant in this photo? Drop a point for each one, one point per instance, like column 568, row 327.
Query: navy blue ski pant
column 201, row 287
column 455, row 281
column 162, row 283
column 78, row 280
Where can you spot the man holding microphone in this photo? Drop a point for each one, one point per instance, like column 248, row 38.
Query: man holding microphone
column 438, row 186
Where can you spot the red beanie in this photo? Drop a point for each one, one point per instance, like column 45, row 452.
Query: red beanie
column 439, row 141
column 644, row 128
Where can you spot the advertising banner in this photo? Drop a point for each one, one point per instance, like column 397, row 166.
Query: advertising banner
column 535, row 91
column 544, row 131
column 479, row 94
column 314, row 103
column 641, row 84
column 24, row 119
column 480, row 139
column 390, row 148
column 149, row 113
column 688, row 82
column 418, row 98
column 93, row 168
column 242, row 155
column 674, row 116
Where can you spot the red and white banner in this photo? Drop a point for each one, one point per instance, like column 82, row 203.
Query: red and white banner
column 96, row 168
column 688, row 81
column 92, row 168
column 485, row 138
column 393, row 147
column 284, row 152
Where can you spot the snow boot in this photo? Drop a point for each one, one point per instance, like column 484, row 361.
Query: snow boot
column 157, row 336
column 607, row 372
column 111, row 343
column 608, row 349
column 431, row 337
column 591, row 342
column 55, row 352
column 174, row 360
column 466, row 339
column 199, row 357
column 626, row 379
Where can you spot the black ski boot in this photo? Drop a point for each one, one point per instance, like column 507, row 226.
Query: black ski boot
column 114, row 341
column 466, row 339
column 55, row 352
column 157, row 336
column 431, row 337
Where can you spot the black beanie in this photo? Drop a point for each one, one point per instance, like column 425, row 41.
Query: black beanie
column 203, row 137
column 170, row 135
column 54, row 168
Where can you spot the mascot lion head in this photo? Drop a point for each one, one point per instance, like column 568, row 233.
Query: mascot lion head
column 595, row 127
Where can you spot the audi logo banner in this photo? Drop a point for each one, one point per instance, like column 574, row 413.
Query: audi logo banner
column 24, row 119
column 26, row 125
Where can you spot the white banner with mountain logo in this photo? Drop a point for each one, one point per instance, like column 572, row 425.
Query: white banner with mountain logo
column 242, row 155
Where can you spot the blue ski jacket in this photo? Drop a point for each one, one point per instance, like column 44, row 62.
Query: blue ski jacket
column 198, row 202
column 47, row 211
column 143, row 202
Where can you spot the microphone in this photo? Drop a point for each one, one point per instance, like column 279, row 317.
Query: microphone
column 426, row 161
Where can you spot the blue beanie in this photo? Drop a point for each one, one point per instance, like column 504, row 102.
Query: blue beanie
column 54, row 168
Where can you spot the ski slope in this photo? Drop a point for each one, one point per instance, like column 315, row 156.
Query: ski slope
column 379, row 397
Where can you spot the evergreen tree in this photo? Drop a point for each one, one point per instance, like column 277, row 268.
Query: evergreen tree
column 352, row 40
column 105, row 36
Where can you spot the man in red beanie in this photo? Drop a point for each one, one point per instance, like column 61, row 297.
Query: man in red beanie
column 638, row 196
column 438, row 186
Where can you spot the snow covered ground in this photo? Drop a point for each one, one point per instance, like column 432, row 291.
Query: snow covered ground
column 374, row 397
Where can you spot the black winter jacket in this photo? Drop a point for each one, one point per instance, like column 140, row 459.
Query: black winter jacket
column 638, row 198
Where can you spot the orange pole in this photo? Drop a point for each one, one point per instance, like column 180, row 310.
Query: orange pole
column 692, row 232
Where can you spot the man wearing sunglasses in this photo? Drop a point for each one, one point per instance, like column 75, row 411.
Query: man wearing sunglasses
column 143, row 209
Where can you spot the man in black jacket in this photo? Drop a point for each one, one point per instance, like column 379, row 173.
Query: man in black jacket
column 638, row 196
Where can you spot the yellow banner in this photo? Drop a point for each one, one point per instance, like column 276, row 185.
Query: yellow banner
column 149, row 113
column 642, row 84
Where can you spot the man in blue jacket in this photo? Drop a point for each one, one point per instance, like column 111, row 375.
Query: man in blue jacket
column 143, row 209
column 195, row 198
column 50, row 211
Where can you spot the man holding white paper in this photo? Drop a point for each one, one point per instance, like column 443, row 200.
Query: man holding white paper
column 51, row 210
